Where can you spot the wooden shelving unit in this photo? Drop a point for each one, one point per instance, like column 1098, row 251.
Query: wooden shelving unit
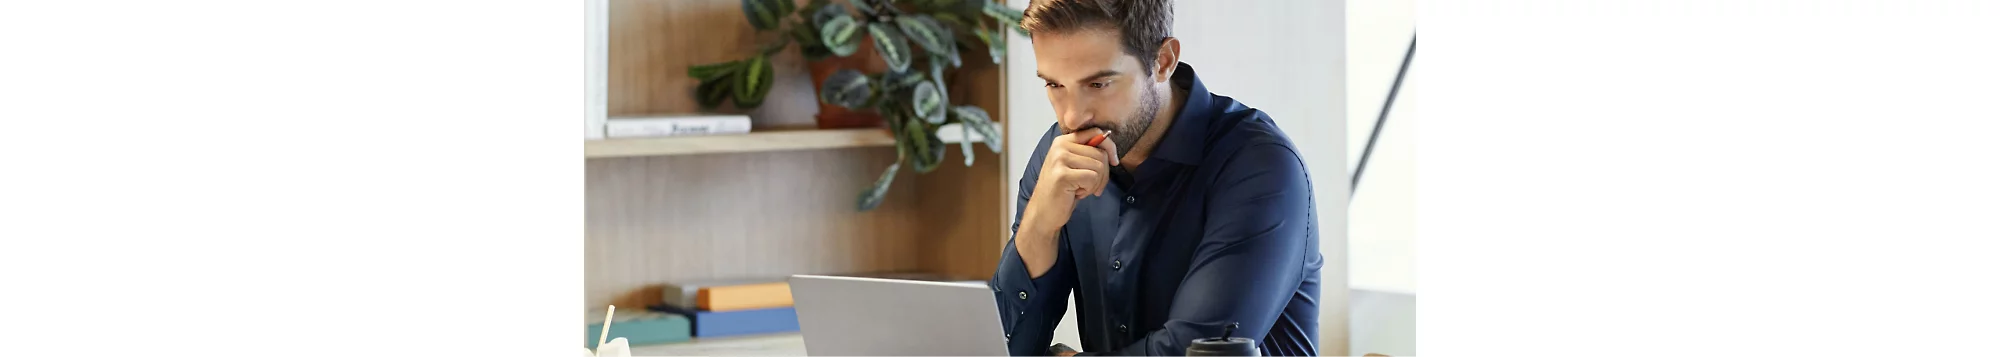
column 776, row 201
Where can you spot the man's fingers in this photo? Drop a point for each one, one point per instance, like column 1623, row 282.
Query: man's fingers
column 1085, row 151
column 1084, row 136
column 1110, row 150
column 1077, row 162
column 1085, row 163
column 1073, row 152
column 1080, row 179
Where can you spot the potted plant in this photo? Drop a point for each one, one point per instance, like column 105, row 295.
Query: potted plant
column 874, row 62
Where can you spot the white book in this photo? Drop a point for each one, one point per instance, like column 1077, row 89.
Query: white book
column 597, row 26
column 676, row 126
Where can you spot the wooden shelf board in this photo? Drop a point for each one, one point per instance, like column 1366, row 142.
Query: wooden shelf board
column 783, row 344
column 755, row 141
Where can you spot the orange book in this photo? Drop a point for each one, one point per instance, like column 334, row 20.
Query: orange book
column 744, row 297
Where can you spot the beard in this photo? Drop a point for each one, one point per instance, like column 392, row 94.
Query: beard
column 1128, row 131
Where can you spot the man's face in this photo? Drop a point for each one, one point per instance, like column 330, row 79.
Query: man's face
column 1093, row 83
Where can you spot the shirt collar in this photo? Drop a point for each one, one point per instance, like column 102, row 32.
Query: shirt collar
column 1187, row 139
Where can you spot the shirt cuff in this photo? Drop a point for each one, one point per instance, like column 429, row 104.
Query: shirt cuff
column 1017, row 290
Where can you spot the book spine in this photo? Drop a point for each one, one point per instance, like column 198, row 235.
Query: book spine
column 745, row 297
column 735, row 323
column 664, row 329
column 747, row 322
column 676, row 127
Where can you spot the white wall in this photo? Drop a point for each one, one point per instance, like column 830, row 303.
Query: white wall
column 1284, row 57
column 1382, row 234
column 1382, row 218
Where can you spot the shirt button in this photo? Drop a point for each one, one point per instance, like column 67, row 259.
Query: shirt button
column 1115, row 264
column 1024, row 296
column 1131, row 199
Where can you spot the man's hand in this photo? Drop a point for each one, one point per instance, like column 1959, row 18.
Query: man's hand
column 1062, row 350
column 1071, row 170
column 1074, row 167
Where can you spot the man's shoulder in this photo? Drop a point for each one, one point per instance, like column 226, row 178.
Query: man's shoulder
column 1243, row 133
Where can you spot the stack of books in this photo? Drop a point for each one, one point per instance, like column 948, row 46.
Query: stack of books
column 732, row 307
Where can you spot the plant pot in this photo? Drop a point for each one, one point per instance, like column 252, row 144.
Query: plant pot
column 833, row 116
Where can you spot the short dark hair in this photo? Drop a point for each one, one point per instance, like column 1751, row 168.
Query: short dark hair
column 1142, row 25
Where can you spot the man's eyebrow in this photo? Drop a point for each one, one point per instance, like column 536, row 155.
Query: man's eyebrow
column 1092, row 77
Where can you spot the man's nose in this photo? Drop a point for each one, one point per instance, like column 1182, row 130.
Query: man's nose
column 1077, row 117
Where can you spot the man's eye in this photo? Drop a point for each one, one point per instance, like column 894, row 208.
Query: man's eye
column 1100, row 85
column 1052, row 85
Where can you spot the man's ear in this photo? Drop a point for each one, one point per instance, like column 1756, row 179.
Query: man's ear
column 1168, row 59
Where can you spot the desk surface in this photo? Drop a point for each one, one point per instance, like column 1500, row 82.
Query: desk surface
column 790, row 344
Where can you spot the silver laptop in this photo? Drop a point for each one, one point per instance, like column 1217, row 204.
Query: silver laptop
column 849, row 316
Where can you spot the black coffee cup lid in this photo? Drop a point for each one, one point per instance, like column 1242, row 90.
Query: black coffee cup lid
column 1226, row 331
column 1223, row 346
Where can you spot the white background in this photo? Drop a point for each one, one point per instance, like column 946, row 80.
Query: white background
column 1596, row 177
column 1381, row 219
column 1382, row 226
column 1706, row 177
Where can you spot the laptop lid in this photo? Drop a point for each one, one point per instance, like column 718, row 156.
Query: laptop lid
column 852, row 316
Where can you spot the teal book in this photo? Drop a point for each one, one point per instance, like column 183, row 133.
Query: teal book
column 639, row 327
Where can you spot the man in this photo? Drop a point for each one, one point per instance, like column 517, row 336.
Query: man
column 1195, row 214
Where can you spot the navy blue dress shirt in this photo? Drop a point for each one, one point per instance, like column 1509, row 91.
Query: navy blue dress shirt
column 1216, row 227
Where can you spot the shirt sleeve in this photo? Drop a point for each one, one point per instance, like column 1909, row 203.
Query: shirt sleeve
column 1030, row 308
column 1258, row 235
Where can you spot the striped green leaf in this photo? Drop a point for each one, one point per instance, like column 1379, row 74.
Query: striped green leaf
column 841, row 35
column 763, row 14
column 965, row 146
column 712, row 92
column 847, row 88
column 754, row 82
column 927, row 102
column 871, row 8
column 926, row 33
column 890, row 44
column 713, row 70
column 975, row 118
column 898, row 81
column 928, row 149
column 872, row 197
column 943, row 92
column 952, row 55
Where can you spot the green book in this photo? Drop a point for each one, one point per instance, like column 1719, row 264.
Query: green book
column 639, row 327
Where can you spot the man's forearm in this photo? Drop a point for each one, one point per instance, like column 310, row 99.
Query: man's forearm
column 1036, row 244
